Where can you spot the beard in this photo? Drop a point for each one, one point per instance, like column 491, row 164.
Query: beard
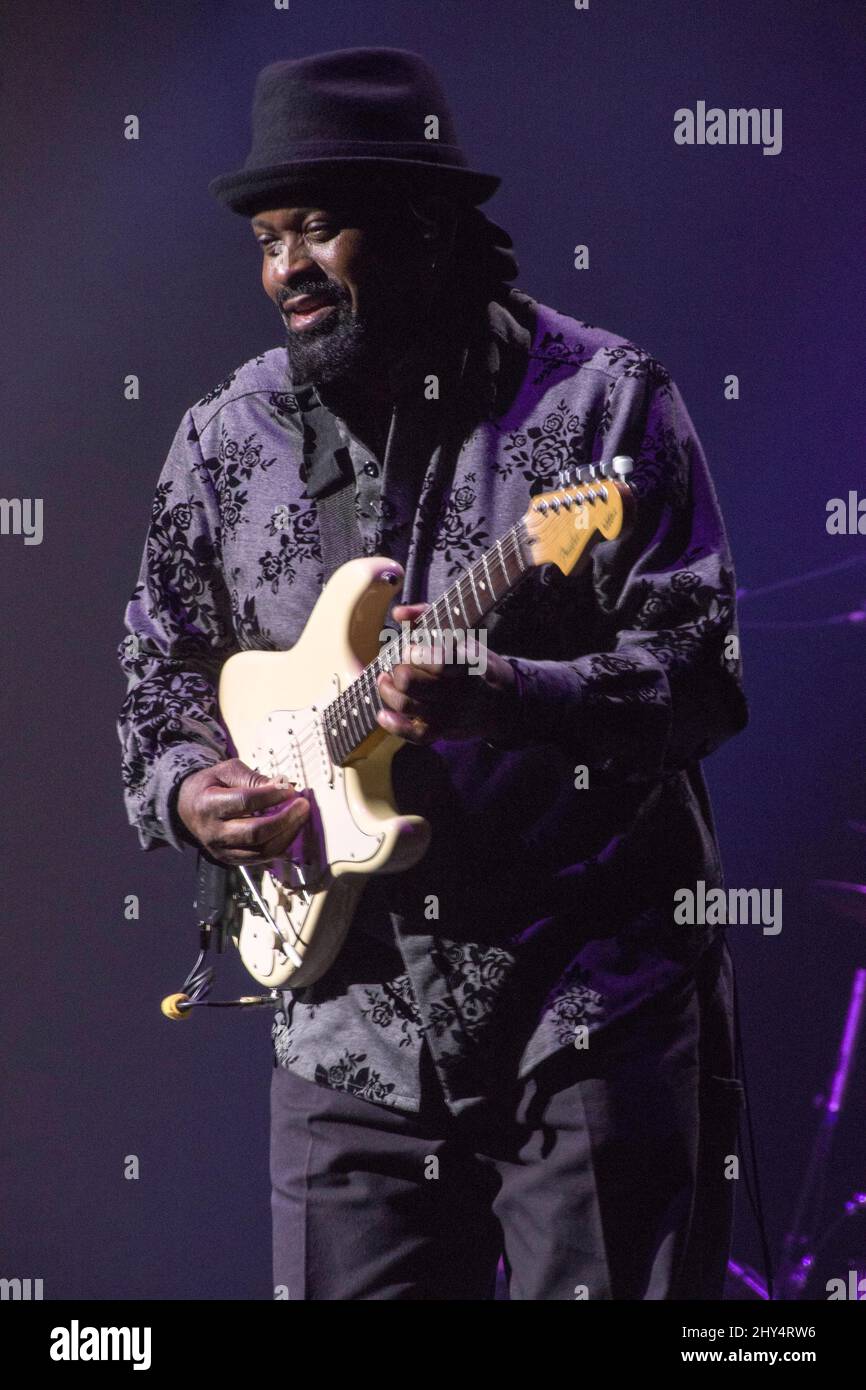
column 343, row 348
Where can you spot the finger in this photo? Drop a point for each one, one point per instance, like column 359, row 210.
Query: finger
column 227, row 803
column 413, row 680
column 400, row 702
column 409, row 612
column 420, row 682
column 262, row 838
column 413, row 730
column 430, row 656
column 282, row 844
column 424, row 657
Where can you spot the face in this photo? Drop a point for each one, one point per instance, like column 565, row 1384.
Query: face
column 347, row 274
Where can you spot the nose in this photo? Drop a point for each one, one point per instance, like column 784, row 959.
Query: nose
column 292, row 260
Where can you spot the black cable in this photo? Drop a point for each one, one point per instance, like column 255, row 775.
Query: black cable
column 755, row 1197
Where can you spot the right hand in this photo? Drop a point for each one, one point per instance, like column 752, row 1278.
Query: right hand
column 218, row 806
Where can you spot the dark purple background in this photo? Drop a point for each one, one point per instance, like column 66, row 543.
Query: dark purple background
column 117, row 260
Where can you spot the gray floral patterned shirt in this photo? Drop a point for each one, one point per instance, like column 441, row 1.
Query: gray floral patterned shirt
column 546, row 900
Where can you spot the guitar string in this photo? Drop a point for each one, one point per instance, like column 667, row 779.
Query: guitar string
column 510, row 546
column 512, row 543
column 308, row 743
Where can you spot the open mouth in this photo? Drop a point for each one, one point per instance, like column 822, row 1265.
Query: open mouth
column 310, row 309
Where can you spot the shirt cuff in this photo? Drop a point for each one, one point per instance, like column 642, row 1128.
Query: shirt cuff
column 174, row 765
column 548, row 695
column 518, row 731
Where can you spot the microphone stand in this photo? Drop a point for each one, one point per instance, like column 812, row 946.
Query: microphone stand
column 798, row 1257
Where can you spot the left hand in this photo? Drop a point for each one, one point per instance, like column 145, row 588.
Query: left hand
column 427, row 700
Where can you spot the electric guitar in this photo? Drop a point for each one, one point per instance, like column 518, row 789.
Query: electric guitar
column 308, row 716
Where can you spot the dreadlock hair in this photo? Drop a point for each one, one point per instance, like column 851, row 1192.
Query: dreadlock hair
column 473, row 254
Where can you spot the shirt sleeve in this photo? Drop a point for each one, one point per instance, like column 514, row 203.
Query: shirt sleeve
column 179, row 631
column 666, row 687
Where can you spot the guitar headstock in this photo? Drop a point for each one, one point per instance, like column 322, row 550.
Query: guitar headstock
column 561, row 525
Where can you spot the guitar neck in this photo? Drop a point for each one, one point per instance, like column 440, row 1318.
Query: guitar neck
column 350, row 719
column 557, row 528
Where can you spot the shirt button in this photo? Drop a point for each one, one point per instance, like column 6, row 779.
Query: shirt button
column 371, row 470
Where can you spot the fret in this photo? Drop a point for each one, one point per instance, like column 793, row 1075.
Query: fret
column 511, row 562
column 497, row 549
column 486, row 582
column 342, row 721
column 467, row 621
column 335, row 735
column 353, row 712
column 351, row 717
column 348, row 721
column 479, row 611
column 386, row 658
column 518, row 546
column 371, row 697
column 432, row 631
column 366, row 715
column 457, row 612
column 440, row 613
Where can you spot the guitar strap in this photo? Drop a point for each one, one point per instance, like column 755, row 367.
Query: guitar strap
column 329, row 480
column 339, row 536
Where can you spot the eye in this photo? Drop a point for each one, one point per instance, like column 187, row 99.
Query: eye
column 314, row 231
column 320, row 231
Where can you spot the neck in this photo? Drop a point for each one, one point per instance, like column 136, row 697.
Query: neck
column 367, row 413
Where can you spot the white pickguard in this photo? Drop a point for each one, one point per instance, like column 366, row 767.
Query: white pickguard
column 273, row 704
column 291, row 744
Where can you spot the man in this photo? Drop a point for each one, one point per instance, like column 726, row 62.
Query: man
column 517, row 1052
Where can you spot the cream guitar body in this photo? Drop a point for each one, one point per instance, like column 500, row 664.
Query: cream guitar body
column 308, row 716
column 274, row 705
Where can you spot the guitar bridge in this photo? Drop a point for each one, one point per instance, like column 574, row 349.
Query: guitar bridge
column 258, row 907
column 249, row 894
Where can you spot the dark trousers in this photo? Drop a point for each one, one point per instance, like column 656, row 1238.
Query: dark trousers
column 605, row 1174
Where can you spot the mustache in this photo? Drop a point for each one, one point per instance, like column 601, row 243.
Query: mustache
column 334, row 294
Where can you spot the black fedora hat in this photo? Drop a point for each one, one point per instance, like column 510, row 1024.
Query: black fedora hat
column 357, row 110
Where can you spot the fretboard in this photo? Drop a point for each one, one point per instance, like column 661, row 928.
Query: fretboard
column 351, row 717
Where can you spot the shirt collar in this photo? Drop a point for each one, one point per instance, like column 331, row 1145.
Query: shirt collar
column 490, row 363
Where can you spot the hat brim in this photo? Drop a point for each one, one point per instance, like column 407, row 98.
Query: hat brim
column 244, row 190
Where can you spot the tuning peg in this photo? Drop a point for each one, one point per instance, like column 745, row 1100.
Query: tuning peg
column 622, row 466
